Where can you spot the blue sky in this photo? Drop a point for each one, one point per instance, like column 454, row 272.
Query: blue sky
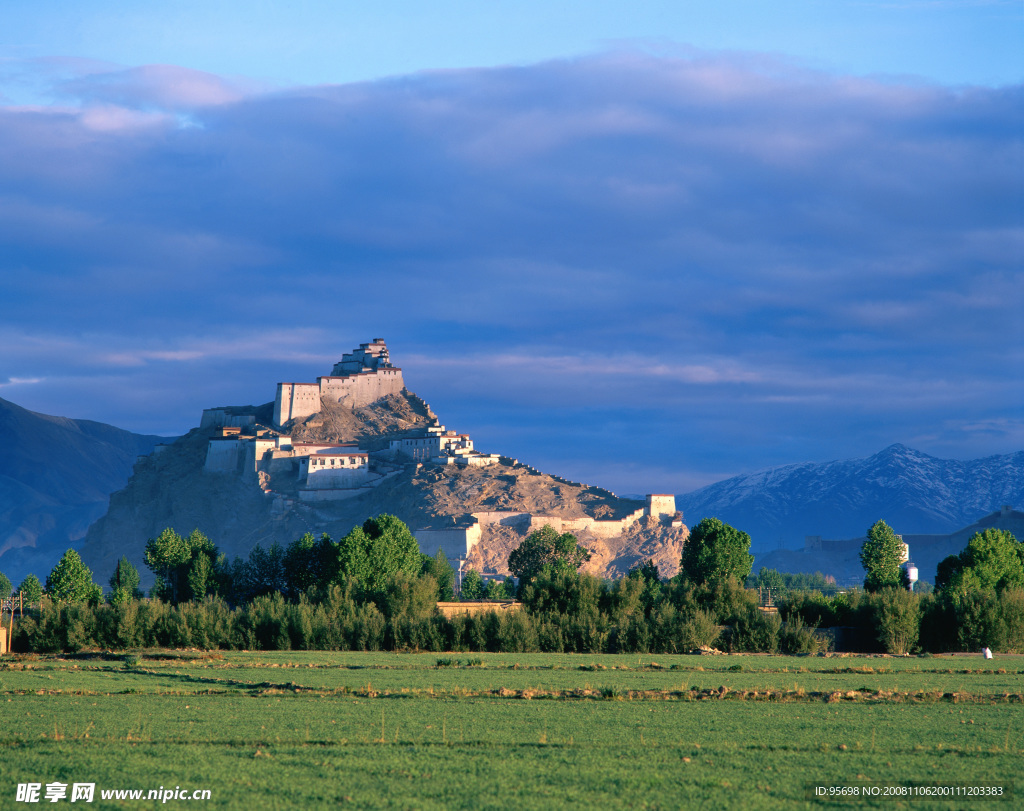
column 645, row 245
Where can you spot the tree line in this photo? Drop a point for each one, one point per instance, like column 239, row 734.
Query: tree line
column 374, row 590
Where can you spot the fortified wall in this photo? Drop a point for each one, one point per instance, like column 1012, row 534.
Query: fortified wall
column 457, row 539
column 360, row 378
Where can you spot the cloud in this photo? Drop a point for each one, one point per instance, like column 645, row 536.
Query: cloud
column 758, row 262
column 20, row 381
column 165, row 87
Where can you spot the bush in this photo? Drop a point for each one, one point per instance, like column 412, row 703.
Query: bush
column 812, row 608
column 897, row 619
column 938, row 623
column 755, row 631
column 1011, row 612
column 798, row 637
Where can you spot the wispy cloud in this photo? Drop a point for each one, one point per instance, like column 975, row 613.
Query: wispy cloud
column 20, row 381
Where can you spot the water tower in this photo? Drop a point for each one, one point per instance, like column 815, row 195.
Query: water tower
column 911, row 571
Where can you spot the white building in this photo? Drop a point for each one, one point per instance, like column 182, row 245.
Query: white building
column 339, row 468
column 438, row 446
column 360, row 378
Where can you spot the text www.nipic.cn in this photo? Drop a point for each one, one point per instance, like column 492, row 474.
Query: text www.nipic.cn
column 86, row 793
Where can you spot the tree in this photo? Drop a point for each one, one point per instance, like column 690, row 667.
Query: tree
column 714, row 552
column 500, row 589
column 649, row 576
column 31, row 590
column 881, row 556
column 180, row 575
column 124, row 583
column 472, row 585
column 545, row 547
column 441, row 570
column 265, row 571
column 310, row 562
column 5, row 587
column 377, row 551
column 897, row 618
column 70, row 580
column 770, row 579
column 992, row 560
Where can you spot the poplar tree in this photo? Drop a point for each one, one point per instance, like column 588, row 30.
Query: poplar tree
column 881, row 556
column 71, row 580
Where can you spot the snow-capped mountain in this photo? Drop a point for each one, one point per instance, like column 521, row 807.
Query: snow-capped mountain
column 911, row 491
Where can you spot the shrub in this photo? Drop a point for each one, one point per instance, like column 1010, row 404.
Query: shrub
column 938, row 623
column 1011, row 612
column 897, row 619
column 517, row 632
column 978, row 622
column 798, row 637
column 755, row 631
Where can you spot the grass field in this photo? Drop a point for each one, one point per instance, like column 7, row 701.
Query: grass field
column 308, row 730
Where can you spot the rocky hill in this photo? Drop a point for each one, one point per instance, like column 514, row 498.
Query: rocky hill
column 913, row 492
column 56, row 476
column 171, row 488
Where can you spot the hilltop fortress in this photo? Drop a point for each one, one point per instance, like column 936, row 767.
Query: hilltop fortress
column 331, row 470
column 360, row 378
column 324, row 456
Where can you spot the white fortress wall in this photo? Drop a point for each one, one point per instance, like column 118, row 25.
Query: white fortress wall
column 223, row 455
column 362, row 388
column 530, row 522
column 219, row 417
column 278, row 462
column 331, row 494
column 295, row 400
column 337, row 469
column 338, row 478
column 455, row 542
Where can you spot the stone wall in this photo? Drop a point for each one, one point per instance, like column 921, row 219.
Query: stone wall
column 455, row 542
column 362, row 389
column 219, row 418
column 224, row 456
column 527, row 522
column 295, row 401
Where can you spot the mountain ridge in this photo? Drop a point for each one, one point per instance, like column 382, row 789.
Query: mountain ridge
column 56, row 477
column 912, row 491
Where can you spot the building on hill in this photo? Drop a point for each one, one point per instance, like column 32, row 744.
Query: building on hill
column 662, row 506
column 360, row 378
column 368, row 357
column 437, row 446
column 340, row 468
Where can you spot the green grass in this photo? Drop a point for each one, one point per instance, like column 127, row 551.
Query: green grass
column 290, row 730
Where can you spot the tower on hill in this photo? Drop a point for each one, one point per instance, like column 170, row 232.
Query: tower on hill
column 360, row 378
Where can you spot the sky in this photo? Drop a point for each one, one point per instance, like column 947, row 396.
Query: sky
column 644, row 245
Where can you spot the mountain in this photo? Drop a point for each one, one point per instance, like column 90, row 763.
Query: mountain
column 56, row 477
column 911, row 491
